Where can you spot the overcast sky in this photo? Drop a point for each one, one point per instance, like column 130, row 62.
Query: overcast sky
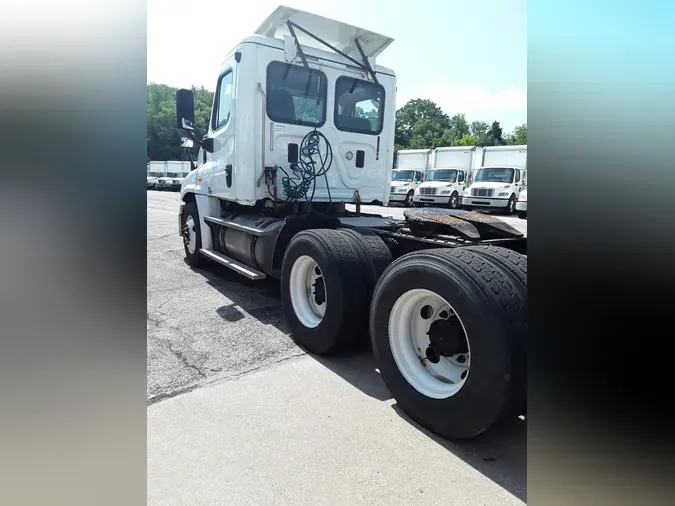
column 467, row 56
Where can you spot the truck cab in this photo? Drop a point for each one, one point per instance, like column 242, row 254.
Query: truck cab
column 444, row 183
column 411, row 168
column 442, row 187
column 498, row 183
column 280, row 95
column 152, row 178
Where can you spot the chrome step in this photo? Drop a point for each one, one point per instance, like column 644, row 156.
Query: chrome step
column 238, row 267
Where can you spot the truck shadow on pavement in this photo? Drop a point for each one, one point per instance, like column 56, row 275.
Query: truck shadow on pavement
column 500, row 454
column 258, row 299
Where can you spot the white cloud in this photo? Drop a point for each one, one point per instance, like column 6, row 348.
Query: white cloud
column 509, row 105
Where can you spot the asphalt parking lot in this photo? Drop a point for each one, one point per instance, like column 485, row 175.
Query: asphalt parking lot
column 238, row 414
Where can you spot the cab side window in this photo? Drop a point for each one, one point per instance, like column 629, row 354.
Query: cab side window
column 223, row 102
column 517, row 176
column 460, row 177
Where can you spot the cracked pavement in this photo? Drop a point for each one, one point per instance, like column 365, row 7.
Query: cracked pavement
column 203, row 325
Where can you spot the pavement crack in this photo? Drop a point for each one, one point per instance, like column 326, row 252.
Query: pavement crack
column 168, row 395
column 184, row 360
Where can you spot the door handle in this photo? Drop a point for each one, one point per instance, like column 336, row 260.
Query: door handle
column 228, row 175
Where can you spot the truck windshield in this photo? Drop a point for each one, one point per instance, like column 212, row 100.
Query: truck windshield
column 448, row 175
column 154, row 174
column 171, row 174
column 495, row 175
column 402, row 175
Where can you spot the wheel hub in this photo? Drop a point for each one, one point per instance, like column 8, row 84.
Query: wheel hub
column 189, row 233
column 319, row 291
column 446, row 338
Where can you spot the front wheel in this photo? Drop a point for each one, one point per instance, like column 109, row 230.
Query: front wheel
column 522, row 215
column 453, row 203
column 191, row 232
column 511, row 206
column 440, row 336
column 409, row 199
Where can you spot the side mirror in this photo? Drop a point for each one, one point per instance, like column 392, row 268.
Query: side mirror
column 207, row 144
column 185, row 110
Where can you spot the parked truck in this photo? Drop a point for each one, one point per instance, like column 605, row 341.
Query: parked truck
column 167, row 175
column 444, row 184
column 498, row 183
column 411, row 167
column 521, row 205
column 303, row 124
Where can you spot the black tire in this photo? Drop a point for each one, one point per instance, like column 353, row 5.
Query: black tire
column 454, row 203
column 522, row 215
column 408, row 202
column 344, row 276
column 190, row 210
column 511, row 205
column 476, row 290
column 514, row 266
column 374, row 253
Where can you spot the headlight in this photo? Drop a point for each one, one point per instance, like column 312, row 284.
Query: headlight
column 402, row 189
column 503, row 194
column 445, row 192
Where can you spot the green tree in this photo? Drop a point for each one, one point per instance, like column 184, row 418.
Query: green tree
column 479, row 130
column 468, row 140
column 418, row 122
column 519, row 135
column 164, row 138
column 495, row 137
column 459, row 126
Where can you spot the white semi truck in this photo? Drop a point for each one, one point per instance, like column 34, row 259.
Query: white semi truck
column 498, row 183
column 411, row 168
column 302, row 124
column 444, row 183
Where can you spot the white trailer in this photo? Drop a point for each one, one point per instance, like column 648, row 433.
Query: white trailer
column 411, row 168
column 499, row 181
column 444, row 183
column 302, row 124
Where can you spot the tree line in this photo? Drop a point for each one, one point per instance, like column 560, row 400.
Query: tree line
column 420, row 124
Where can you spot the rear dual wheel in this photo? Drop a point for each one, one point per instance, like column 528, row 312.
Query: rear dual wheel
column 327, row 280
column 448, row 327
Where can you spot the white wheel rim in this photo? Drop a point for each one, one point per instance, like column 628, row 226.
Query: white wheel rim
column 191, row 235
column 409, row 342
column 305, row 274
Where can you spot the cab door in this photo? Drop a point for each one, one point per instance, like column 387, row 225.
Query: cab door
column 218, row 170
column 519, row 182
column 461, row 181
